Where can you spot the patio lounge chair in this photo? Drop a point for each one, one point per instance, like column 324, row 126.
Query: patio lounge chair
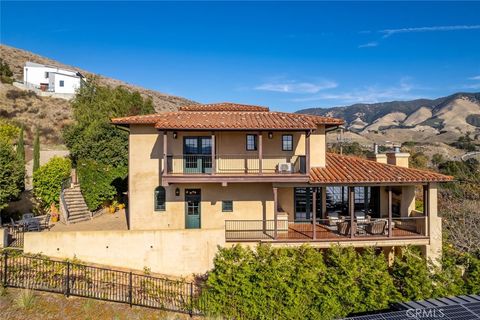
column 376, row 227
column 334, row 218
column 361, row 217
column 343, row 228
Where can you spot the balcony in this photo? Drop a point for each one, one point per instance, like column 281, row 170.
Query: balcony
column 236, row 167
column 327, row 231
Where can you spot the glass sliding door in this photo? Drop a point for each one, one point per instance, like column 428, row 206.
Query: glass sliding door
column 303, row 199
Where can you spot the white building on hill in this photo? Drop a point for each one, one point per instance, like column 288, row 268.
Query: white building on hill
column 51, row 78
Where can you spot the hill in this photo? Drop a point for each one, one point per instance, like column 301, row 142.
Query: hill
column 438, row 120
column 51, row 114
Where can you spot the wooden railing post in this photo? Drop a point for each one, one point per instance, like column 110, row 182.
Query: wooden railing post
column 351, row 208
column 165, row 161
column 214, row 162
column 314, row 213
column 260, row 153
column 390, row 221
column 275, row 218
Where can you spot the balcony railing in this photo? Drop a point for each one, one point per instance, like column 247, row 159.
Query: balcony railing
column 326, row 230
column 235, row 164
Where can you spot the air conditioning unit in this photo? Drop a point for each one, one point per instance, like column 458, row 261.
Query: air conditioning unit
column 285, row 167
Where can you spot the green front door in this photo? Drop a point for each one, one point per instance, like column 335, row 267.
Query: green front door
column 192, row 208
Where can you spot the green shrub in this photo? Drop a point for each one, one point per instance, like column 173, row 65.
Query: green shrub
column 47, row 180
column 12, row 174
column 8, row 131
column 100, row 183
column 288, row 283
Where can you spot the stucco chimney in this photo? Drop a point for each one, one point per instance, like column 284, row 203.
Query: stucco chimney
column 398, row 158
column 378, row 157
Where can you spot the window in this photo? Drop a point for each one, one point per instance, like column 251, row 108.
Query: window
column 160, row 199
column 287, row 142
column 227, row 206
column 251, row 142
column 303, row 198
column 46, row 74
column 62, row 83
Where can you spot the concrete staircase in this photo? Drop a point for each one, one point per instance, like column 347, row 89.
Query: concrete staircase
column 75, row 204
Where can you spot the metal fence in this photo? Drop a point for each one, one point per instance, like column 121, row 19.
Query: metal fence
column 15, row 237
column 75, row 279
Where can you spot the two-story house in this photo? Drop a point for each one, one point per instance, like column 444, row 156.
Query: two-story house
column 264, row 176
column 51, row 79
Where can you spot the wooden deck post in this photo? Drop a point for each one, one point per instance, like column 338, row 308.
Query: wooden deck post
column 260, row 153
column 426, row 206
column 351, row 208
column 307, row 152
column 314, row 213
column 275, row 211
column 390, row 212
column 165, row 161
column 214, row 162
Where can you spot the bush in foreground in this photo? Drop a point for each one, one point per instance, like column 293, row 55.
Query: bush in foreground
column 293, row 283
column 47, row 180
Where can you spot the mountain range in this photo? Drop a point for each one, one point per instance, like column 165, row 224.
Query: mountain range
column 438, row 120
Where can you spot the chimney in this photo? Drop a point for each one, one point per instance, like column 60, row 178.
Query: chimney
column 378, row 157
column 398, row 158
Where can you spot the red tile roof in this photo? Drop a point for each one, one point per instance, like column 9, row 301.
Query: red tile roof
column 223, row 106
column 234, row 119
column 347, row 169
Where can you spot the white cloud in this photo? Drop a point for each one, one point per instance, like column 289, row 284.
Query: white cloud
column 296, row 87
column 473, row 86
column 371, row 94
column 474, row 78
column 389, row 32
column 369, row 44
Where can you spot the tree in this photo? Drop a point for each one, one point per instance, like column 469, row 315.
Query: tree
column 21, row 155
column 36, row 151
column 5, row 72
column 11, row 172
column 47, row 180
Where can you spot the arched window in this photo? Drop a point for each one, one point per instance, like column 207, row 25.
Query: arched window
column 159, row 199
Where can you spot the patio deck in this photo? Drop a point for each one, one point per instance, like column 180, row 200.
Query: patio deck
column 104, row 222
column 303, row 232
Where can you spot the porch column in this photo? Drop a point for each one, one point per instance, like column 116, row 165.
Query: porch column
column 214, row 162
column 351, row 209
column 275, row 209
column 260, row 153
column 390, row 212
column 314, row 213
column 426, row 206
column 165, row 162
column 307, row 152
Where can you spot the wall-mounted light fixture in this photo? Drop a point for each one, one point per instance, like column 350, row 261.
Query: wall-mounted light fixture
column 177, row 192
column 175, row 135
column 270, row 135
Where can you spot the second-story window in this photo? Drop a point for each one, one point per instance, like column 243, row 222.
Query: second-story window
column 62, row 83
column 251, row 142
column 287, row 142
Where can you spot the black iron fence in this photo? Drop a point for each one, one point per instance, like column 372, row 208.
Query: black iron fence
column 15, row 237
column 75, row 279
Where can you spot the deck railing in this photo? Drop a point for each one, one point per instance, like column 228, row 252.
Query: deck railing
column 235, row 164
column 326, row 229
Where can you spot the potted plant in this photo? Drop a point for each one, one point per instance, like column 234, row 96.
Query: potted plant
column 54, row 214
column 113, row 206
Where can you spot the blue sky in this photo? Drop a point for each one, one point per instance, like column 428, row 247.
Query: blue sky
column 284, row 55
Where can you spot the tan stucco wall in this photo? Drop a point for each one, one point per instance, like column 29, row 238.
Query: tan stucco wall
column 252, row 201
column 434, row 250
column 406, row 198
column 317, row 147
column 171, row 252
column 398, row 158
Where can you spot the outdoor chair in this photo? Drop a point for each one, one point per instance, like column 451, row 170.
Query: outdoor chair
column 343, row 228
column 32, row 225
column 14, row 224
column 46, row 221
column 27, row 216
column 334, row 218
column 361, row 217
column 376, row 227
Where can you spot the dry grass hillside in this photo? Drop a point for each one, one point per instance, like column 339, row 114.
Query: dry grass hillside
column 50, row 115
column 16, row 59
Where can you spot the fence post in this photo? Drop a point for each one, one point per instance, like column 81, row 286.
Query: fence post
column 5, row 269
column 130, row 291
column 191, row 299
column 67, row 289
